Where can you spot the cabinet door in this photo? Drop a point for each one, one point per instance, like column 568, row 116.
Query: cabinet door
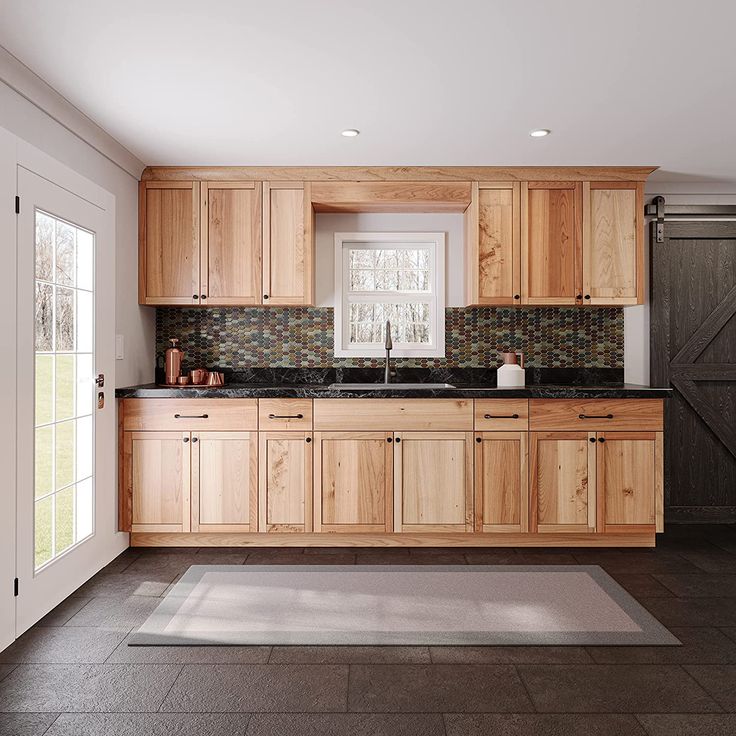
column 433, row 482
column 225, row 481
column 285, row 482
column 157, row 480
column 627, row 481
column 613, row 243
column 352, row 482
column 231, row 243
column 501, row 483
column 551, row 222
column 563, row 482
column 168, row 263
column 493, row 248
column 288, row 258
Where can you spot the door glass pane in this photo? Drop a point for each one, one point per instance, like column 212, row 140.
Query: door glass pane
column 64, row 386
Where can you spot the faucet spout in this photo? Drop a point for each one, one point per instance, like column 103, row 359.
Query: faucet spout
column 389, row 347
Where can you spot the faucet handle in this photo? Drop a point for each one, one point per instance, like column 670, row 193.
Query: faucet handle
column 389, row 343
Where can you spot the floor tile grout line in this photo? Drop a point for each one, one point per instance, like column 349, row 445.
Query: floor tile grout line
column 48, row 728
column 526, row 688
column 163, row 700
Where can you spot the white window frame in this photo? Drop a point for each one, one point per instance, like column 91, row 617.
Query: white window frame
column 436, row 297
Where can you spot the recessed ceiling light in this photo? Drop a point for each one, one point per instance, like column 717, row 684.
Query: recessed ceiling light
column 350, row 132
column 539, row 132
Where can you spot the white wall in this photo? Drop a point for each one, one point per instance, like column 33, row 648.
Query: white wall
column 137, row 324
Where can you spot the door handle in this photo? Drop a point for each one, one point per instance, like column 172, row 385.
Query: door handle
column 500, row 416
column 286, row 416
column 191, row 416
column 595, row 416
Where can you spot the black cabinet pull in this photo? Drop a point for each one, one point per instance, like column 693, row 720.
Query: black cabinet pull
column 265, row 296
column 398, row 439
column 592, row 439
column 203, row 296
column 478, row 440
column 517, row 296
column 578, row 296
column 195, row 439
column 500, row 416
column 595, row 416
column 191, row 416
column 388, row 439
column 601, row 439
column 587, row 296
column 286, row 416
column 186, row 439
column 195, row 296
column 307, row 439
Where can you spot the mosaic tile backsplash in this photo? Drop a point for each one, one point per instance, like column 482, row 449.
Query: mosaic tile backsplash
column 302, row 337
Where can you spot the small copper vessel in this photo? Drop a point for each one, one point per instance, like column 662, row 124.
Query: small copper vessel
column 216, row 379
column 174, row 356
column 198, row 376
column 183, row 380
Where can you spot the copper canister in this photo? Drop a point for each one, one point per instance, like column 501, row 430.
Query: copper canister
column 174, row 357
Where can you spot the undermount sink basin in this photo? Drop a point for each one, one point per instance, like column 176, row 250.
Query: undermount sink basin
column 388, row 386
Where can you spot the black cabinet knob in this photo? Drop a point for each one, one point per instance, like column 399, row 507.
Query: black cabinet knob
column 578, row 296
column 195, row 439
column 195, row 296
column 308, row 439
column 398, row 439
column 203, row 296
column 587, row 296
column 478, row 440
column 592, row 439
column 186, row 439
column 517, row 296
column 601, row 439
column 265, row 296
column 389, row 439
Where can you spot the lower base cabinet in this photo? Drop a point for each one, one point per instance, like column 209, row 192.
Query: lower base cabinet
column 627, row 473
column 285, row 483
column 501, row 482
column 224, row 481
column 352, row 482
column 562, row 479
column 158, row 481
column 433, row 482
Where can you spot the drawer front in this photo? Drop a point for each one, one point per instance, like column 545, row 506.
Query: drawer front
column 190, row 414
column 393, row 415
column 595, row 415
column 505, row 415
column 284, row 414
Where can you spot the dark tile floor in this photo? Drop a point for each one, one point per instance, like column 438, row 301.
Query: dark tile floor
column 73, row 673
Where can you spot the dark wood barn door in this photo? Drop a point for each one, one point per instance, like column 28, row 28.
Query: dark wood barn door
column 693, row 350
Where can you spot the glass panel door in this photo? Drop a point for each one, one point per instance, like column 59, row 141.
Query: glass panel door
column 64, row 386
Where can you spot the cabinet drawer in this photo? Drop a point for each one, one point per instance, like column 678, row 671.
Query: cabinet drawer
column 595, row 414
column 505, row 415
column 393, row 415
column 190, row 414
column 284, row 414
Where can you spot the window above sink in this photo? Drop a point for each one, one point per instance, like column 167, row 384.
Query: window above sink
column 390, row 276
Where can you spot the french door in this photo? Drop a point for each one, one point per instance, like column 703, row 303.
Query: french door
column 66, row 429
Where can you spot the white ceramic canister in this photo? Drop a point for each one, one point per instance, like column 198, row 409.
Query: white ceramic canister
column 511, row 374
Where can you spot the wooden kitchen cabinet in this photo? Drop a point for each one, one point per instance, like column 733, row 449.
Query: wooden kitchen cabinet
column 613, row 247
column 627, row 476
column 288, row 250
column 562, row 481
column 224, row 481
column 168, row 257
column 285, row 482
column 433, row 482
column 551, row 246
column 157, row 481
column 501, row 482
column 353, row 482
column 230, row 243
column 493, row 245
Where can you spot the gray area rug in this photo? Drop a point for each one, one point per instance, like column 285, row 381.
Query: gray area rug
column 400, row 604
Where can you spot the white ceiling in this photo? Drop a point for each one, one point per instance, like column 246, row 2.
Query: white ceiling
column 623, row 82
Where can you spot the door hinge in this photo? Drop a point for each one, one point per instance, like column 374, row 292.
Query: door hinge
column 659, row 227
column 15, row 587
column 17, row 205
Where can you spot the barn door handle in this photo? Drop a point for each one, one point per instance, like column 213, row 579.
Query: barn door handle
column 595, row 416
column 500, row 416
column 191, row 416
column 286, row 416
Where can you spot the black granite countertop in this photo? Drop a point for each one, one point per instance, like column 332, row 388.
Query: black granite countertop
column 323, row 391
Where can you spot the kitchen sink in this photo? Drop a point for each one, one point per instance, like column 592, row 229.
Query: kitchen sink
column 388, row 386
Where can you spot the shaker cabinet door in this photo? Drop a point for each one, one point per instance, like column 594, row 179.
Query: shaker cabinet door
column 168, row 260
column 352, row 481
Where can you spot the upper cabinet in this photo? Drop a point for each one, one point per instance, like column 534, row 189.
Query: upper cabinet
column 225, row 243
column 168, row 259
column 493, row 247
column 230, row 245
column 288, row 260
column 555, row 243
column 613, row 248
column 551, row 219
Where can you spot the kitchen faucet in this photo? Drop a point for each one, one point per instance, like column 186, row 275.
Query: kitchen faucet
column 389, row 346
